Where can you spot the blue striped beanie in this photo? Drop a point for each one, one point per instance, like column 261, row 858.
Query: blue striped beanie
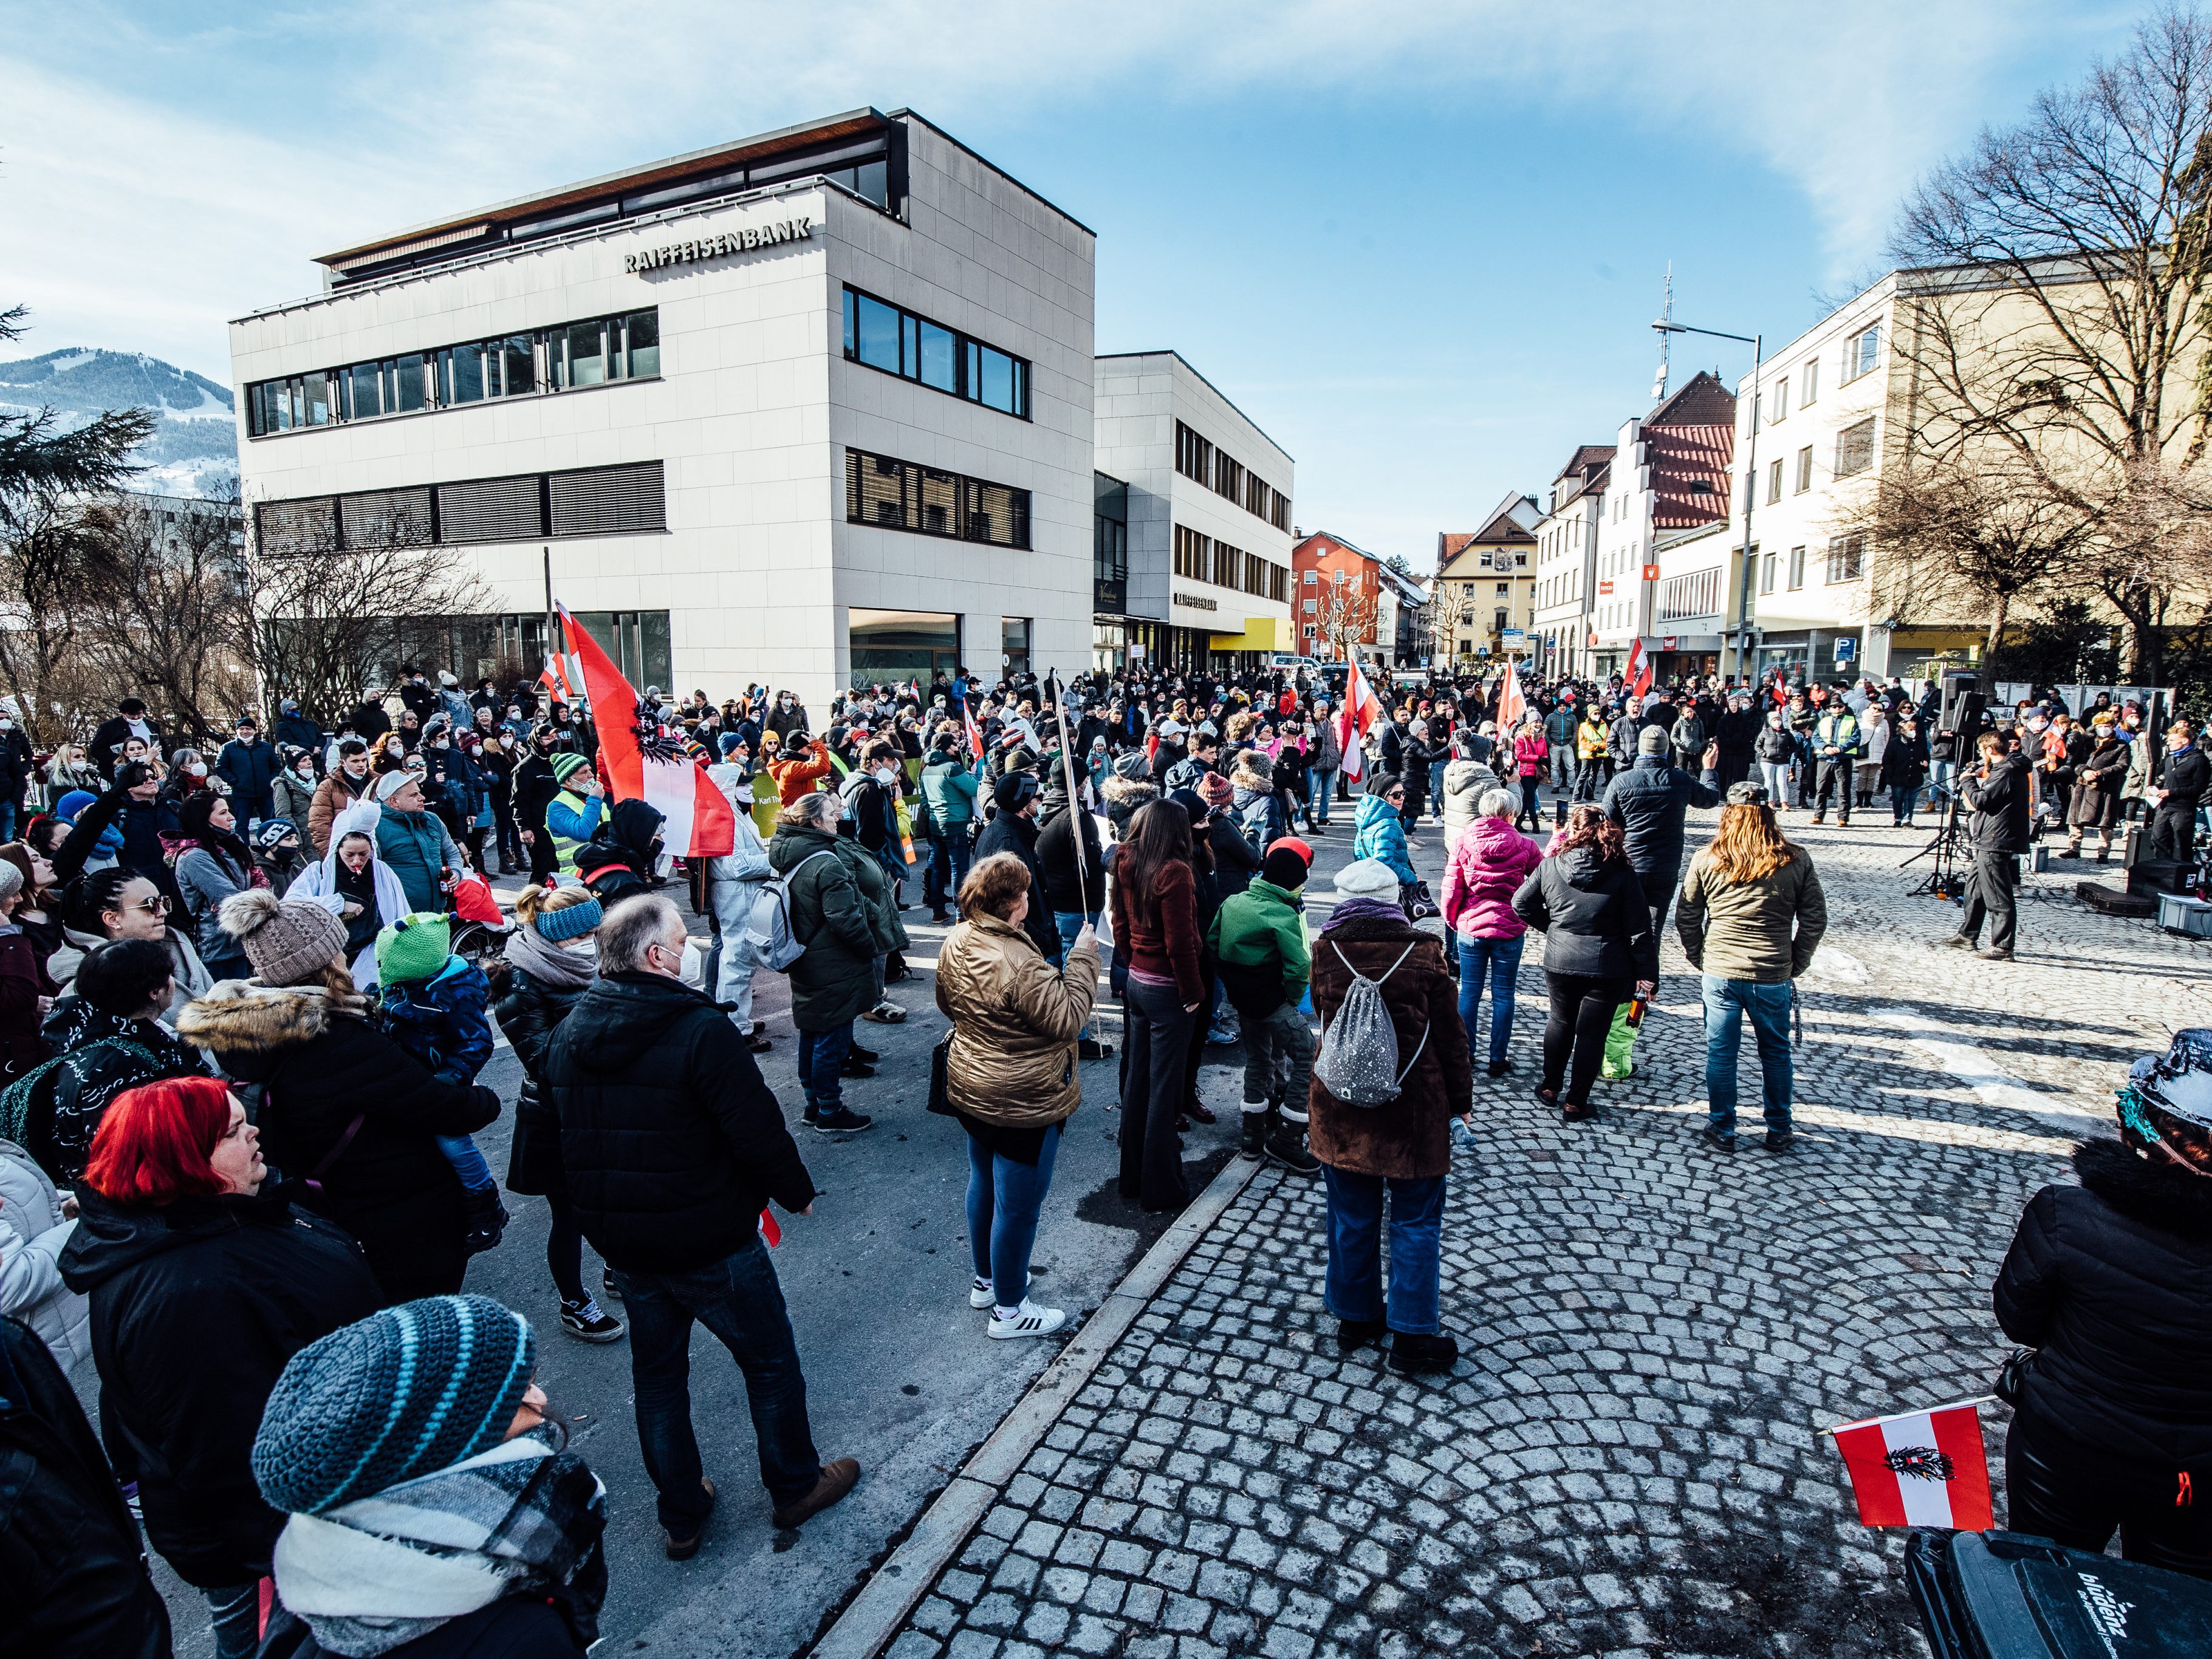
column 403, row 1393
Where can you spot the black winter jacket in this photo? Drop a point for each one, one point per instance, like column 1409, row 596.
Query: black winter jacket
column 1593, row 915
column 321, row 1068
column 196, row 1307
column 2001, row 806
column 1007, row 833
column 1648, row 801
column 70, row 1552
column 1055, row 857
column 1775, row 744
column 1234, row 863
column 623, row 854
column 512, row 1627
column 2107, row 1280
column 530, row 1010
column 2185, row 775
column 669, row 1141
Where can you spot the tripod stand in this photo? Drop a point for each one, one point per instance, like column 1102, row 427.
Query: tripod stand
column 1944, row 879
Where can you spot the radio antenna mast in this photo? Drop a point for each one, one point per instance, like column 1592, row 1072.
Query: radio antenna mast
column 1666, row 315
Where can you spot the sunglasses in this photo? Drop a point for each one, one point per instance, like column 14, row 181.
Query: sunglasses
column 155, row 906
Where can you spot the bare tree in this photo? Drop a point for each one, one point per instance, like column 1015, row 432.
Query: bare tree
column 1451, row 607
column 2070, row 320
column 1966, row 537
column 1345, row 617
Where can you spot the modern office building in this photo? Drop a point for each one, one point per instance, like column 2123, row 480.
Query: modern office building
column 811, row 407
column 1206, row 506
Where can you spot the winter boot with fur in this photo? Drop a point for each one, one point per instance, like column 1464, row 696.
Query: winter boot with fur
column 1286, row 1140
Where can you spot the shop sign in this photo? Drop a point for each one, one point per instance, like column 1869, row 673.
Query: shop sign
column 1195, row 603
column 1667, row 642
column 715, row 247
column 1651, row 572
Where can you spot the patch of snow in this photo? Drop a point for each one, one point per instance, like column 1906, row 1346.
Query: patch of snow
column 74, row 360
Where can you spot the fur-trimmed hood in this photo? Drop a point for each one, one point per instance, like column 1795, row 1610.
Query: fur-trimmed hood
column 1254, row 771
column 1128, row 793
column 245, row 1017
column 2161, row 1195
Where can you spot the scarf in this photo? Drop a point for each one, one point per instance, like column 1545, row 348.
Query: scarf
column 521, row 1519
column 563, row 970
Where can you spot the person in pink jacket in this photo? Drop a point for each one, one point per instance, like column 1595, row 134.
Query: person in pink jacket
column 1530, row 753
column 1488, row 863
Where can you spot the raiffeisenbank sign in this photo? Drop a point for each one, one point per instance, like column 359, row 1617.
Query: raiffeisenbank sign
column 716, row 247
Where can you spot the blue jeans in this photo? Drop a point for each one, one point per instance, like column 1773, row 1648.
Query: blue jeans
column 1324, row 788
column 737, row 1298
column 950, row 859
column 1502, row 957
column 1727, row 1001
column 9, row 812
column 468, row 1162
column 1070, row 923
column 1354, row 1286
column 821, row 1058
column 1004, row 1198
column 1437, row 787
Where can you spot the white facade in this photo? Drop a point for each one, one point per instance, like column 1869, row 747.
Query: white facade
column 1620, row 600
column 1177, row 615
column 751, row 413
column 1566, row 571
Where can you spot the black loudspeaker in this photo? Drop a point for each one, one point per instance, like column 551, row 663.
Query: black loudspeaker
column 1963, row 703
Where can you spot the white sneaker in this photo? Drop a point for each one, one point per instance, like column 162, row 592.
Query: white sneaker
column 1029, row 1320
column 979, row 1292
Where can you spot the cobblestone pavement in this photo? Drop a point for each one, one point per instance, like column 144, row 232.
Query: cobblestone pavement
column 1625, row 1460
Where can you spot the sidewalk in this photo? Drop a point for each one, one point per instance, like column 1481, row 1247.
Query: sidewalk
column 1625, row 1460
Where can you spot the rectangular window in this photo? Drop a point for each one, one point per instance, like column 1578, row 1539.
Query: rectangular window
column 582, row 356
column 1313, row 579
column 1505, row 587
column 641, row 333
column 1804, row 469
column 1781, row 404
column 899, row 341
column 587, row 501
column 905, row 495
column 384, row 517
column 491, row 509
column 1854, row 448
column 1202, row 463
column 1796, row 568
column 1227, row 477
column 608, row 500
column 1312, row 606
column 1766, row 571
column 1774, row 484
column 1846, row 558
column 1809, row 389
column 1860, row 353
column 1697, row 594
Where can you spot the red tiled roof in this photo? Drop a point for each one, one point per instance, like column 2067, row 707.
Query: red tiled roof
column 1681, row 455
column 1585, row 455
column 1701, row 401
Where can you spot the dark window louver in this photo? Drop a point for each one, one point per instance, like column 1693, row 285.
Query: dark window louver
column 491, row 509
column 306, row 526
column 902, row 496
column 386, row 517
column 608, row 500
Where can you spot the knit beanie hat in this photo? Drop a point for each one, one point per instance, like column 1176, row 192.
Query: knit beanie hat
column 1134, row 766
column 1367, row 879
column 565, row 766
column 73, row 803
column 11, row 880
column 395, row 781
column 414, row 947
column 572, row 922
column 1651, row 741
column 1286, row 865
column 1218, row 791
column 402, row 1394
column 289, row 942
column 728, row 742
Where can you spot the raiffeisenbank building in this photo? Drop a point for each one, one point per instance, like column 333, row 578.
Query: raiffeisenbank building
column 806, row 408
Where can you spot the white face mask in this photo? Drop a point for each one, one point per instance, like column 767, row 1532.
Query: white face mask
column 585, row 946
column 198, row 768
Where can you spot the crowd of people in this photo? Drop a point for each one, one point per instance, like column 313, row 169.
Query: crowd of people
column 244, row 1004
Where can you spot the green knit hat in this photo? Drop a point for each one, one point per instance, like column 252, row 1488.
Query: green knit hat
column 566, row 766
column 414, row 947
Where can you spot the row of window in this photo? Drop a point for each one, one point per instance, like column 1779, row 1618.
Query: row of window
column 899, row 341
column 1854, row 455
column 906, row 496
column 1202, row 558
column 1861, row 353
column 1199, row 460
column 1845, row 562
column 587, row 352
column 1697, row 594
column 597, row 500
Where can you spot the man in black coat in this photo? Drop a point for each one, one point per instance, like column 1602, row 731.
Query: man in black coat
column 1651, row 802
column 672, row 1146
column 249, row 766
column 1013, row 829
column 1737, row 734
column 2187, row 772
column 128, row 721
column 68, row 1548
column 15, row 768
column 535, row 786
column 1997, row 794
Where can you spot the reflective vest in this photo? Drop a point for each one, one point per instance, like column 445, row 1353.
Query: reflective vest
column 565, row 848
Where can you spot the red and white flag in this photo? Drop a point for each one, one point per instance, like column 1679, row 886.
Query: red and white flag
column 700, row 821
column 1512, row 706
column 1639, row 670
column 975, row 731
column 1920, row 1468
column 1360, row 711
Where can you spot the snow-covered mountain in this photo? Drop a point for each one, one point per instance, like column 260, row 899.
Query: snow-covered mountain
column 194, row 449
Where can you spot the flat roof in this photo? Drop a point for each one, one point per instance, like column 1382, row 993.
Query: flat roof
column 1109, row 356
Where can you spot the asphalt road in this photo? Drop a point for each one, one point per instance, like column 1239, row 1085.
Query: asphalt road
column 899, row 1371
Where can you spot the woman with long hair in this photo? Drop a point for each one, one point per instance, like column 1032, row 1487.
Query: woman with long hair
column 1156, row 927
column 1599, row 950
column 1750, row 915
column 213, row 862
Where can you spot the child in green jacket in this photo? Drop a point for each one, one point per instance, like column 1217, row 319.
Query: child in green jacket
column 1259, row 938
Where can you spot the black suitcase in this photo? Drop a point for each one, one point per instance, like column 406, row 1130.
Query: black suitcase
column 2005, row 1595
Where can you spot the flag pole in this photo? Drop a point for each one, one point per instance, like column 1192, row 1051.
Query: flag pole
column 1948, row 1405
column 1068, row 765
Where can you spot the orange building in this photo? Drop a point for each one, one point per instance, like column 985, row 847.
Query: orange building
column 1337, row 599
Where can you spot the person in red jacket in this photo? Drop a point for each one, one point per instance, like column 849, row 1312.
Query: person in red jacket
column 1156, row 925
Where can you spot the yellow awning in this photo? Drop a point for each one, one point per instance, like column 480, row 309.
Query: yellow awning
column 1261, row 634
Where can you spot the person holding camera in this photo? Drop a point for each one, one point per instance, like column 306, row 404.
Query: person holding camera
column 1997, row 793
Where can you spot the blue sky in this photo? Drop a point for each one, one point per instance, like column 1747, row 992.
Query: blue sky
column 1421, row 244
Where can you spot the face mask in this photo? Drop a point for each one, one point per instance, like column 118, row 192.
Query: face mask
column 585, row 946
column 304, row 770
column 441, row 743
column 2037, row 726
column 198, row 768
column 885, row 773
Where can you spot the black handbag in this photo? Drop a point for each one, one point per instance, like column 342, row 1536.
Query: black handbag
column 2012, row 1376
column 940, row 1089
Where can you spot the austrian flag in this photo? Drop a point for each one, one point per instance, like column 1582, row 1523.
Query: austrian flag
column 1920, row 1469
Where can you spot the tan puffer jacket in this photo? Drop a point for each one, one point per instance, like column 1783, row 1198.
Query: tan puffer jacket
column 1015, row 1019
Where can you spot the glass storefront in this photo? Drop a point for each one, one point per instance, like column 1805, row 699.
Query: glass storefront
column 903, row 645
column 1014, row 645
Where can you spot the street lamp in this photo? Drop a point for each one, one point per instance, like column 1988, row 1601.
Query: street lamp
column 1757, row 342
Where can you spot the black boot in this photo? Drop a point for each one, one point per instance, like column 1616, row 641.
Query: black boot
column 1287, row 1143
column 1412, row 1354
column 485, row 1217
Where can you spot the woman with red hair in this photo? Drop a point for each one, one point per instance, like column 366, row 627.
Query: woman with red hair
column 202, row 1286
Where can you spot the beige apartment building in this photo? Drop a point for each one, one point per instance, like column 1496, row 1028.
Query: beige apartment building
column 1485, row 589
